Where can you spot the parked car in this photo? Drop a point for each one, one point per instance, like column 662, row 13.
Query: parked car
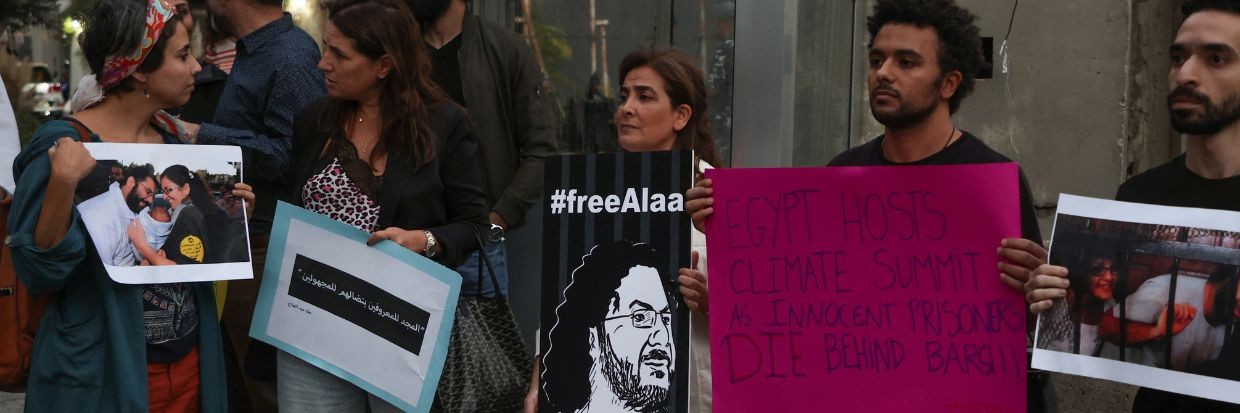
column 46, row 92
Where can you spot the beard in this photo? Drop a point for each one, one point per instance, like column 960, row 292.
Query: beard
column 626, row 384
column 427, row 11
column 1214, row 117
column 134, row 202
column 906, row 115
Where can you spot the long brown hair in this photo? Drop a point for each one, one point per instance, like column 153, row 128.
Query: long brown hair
column 686, row 85
column 407, row 93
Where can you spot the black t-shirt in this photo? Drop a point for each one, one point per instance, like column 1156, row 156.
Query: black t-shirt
column 170, row 311
column 1173, row 184
column 966, row 150
column 447, row 69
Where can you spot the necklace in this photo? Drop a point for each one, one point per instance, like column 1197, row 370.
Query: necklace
column 883, row 145
column 366, row 146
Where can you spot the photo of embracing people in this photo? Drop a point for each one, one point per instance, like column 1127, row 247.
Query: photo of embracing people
column 158, row 206
column 1152, row 303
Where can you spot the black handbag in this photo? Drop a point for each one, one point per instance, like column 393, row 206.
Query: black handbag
column 487, row 368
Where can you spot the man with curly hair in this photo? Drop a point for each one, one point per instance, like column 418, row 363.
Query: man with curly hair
column 611, row 347
column 924, row 58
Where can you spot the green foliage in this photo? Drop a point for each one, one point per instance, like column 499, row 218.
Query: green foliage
column 555, row 52
column 27, row 123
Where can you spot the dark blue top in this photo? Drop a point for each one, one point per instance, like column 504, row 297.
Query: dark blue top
column 275, row 75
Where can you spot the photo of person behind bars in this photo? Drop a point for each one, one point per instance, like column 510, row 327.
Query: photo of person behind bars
column 1119, row 305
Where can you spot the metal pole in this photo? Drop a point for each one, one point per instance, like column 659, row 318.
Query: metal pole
column 606, row 80
column 702, row 31
column 671, row 34
column 593, row 44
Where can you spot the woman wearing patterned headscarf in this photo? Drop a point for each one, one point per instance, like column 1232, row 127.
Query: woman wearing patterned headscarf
column 104, row 346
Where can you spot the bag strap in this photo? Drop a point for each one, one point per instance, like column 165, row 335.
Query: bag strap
column 483, row 259
column 83, row 132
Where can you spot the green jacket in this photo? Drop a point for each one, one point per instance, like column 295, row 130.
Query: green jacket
column 90, row 351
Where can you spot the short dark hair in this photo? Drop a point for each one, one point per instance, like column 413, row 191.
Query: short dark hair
column 1194, row 6
column 198, row 193
column 114, row 27
column 960, row 41
column 566, row 374
column 139, row 173
column 1081, row 273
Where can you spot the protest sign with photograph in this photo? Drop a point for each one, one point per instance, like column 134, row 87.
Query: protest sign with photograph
column 165, row 213
column 378, row 316
column 1152, row 298
column 865, row 289
column 614, row 334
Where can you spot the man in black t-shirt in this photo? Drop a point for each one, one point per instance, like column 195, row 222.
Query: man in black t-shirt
column 923, row 57
column 1205, row 106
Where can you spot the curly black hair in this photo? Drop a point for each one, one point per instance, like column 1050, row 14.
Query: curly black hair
column 960, row 41
column 566, row 367
column 1194, row 6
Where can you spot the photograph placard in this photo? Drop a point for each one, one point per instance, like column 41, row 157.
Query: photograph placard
column 165, row 213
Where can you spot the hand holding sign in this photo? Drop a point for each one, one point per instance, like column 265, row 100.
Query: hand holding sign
column 70, row 161
column 1021, row 257
column 700, row 203
column 693, row 287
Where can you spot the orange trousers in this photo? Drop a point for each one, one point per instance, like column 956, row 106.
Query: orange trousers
column 173, row 388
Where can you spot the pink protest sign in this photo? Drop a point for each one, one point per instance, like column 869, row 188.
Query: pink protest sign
column 864, row 289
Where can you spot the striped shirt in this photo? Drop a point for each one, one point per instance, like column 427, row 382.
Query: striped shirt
column 222, row 54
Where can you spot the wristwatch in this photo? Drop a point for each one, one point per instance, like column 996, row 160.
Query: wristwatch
column 432, row 246
column 496, row 234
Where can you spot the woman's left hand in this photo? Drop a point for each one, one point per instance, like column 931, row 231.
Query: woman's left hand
column 136, row 233
column 412, row 239
column 693, row 287
column 246, row 193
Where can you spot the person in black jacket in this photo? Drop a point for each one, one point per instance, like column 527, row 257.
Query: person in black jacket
column 488, row 69
column 386, row 152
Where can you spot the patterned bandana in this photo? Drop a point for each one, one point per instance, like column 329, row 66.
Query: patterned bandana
column 117, row 68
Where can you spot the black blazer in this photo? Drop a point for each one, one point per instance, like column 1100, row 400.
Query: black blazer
column 444, row 197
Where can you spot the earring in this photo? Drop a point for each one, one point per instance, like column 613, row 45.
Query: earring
column 381, row 75
column 146, row 92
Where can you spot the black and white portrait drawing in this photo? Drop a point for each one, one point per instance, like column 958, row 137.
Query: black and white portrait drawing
column 612, row 347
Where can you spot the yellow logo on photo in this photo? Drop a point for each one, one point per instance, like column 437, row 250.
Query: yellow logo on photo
column 191, row 247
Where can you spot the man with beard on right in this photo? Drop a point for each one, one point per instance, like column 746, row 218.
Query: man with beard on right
column 611, row 347
column 112, row 211
column 1205, row 107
